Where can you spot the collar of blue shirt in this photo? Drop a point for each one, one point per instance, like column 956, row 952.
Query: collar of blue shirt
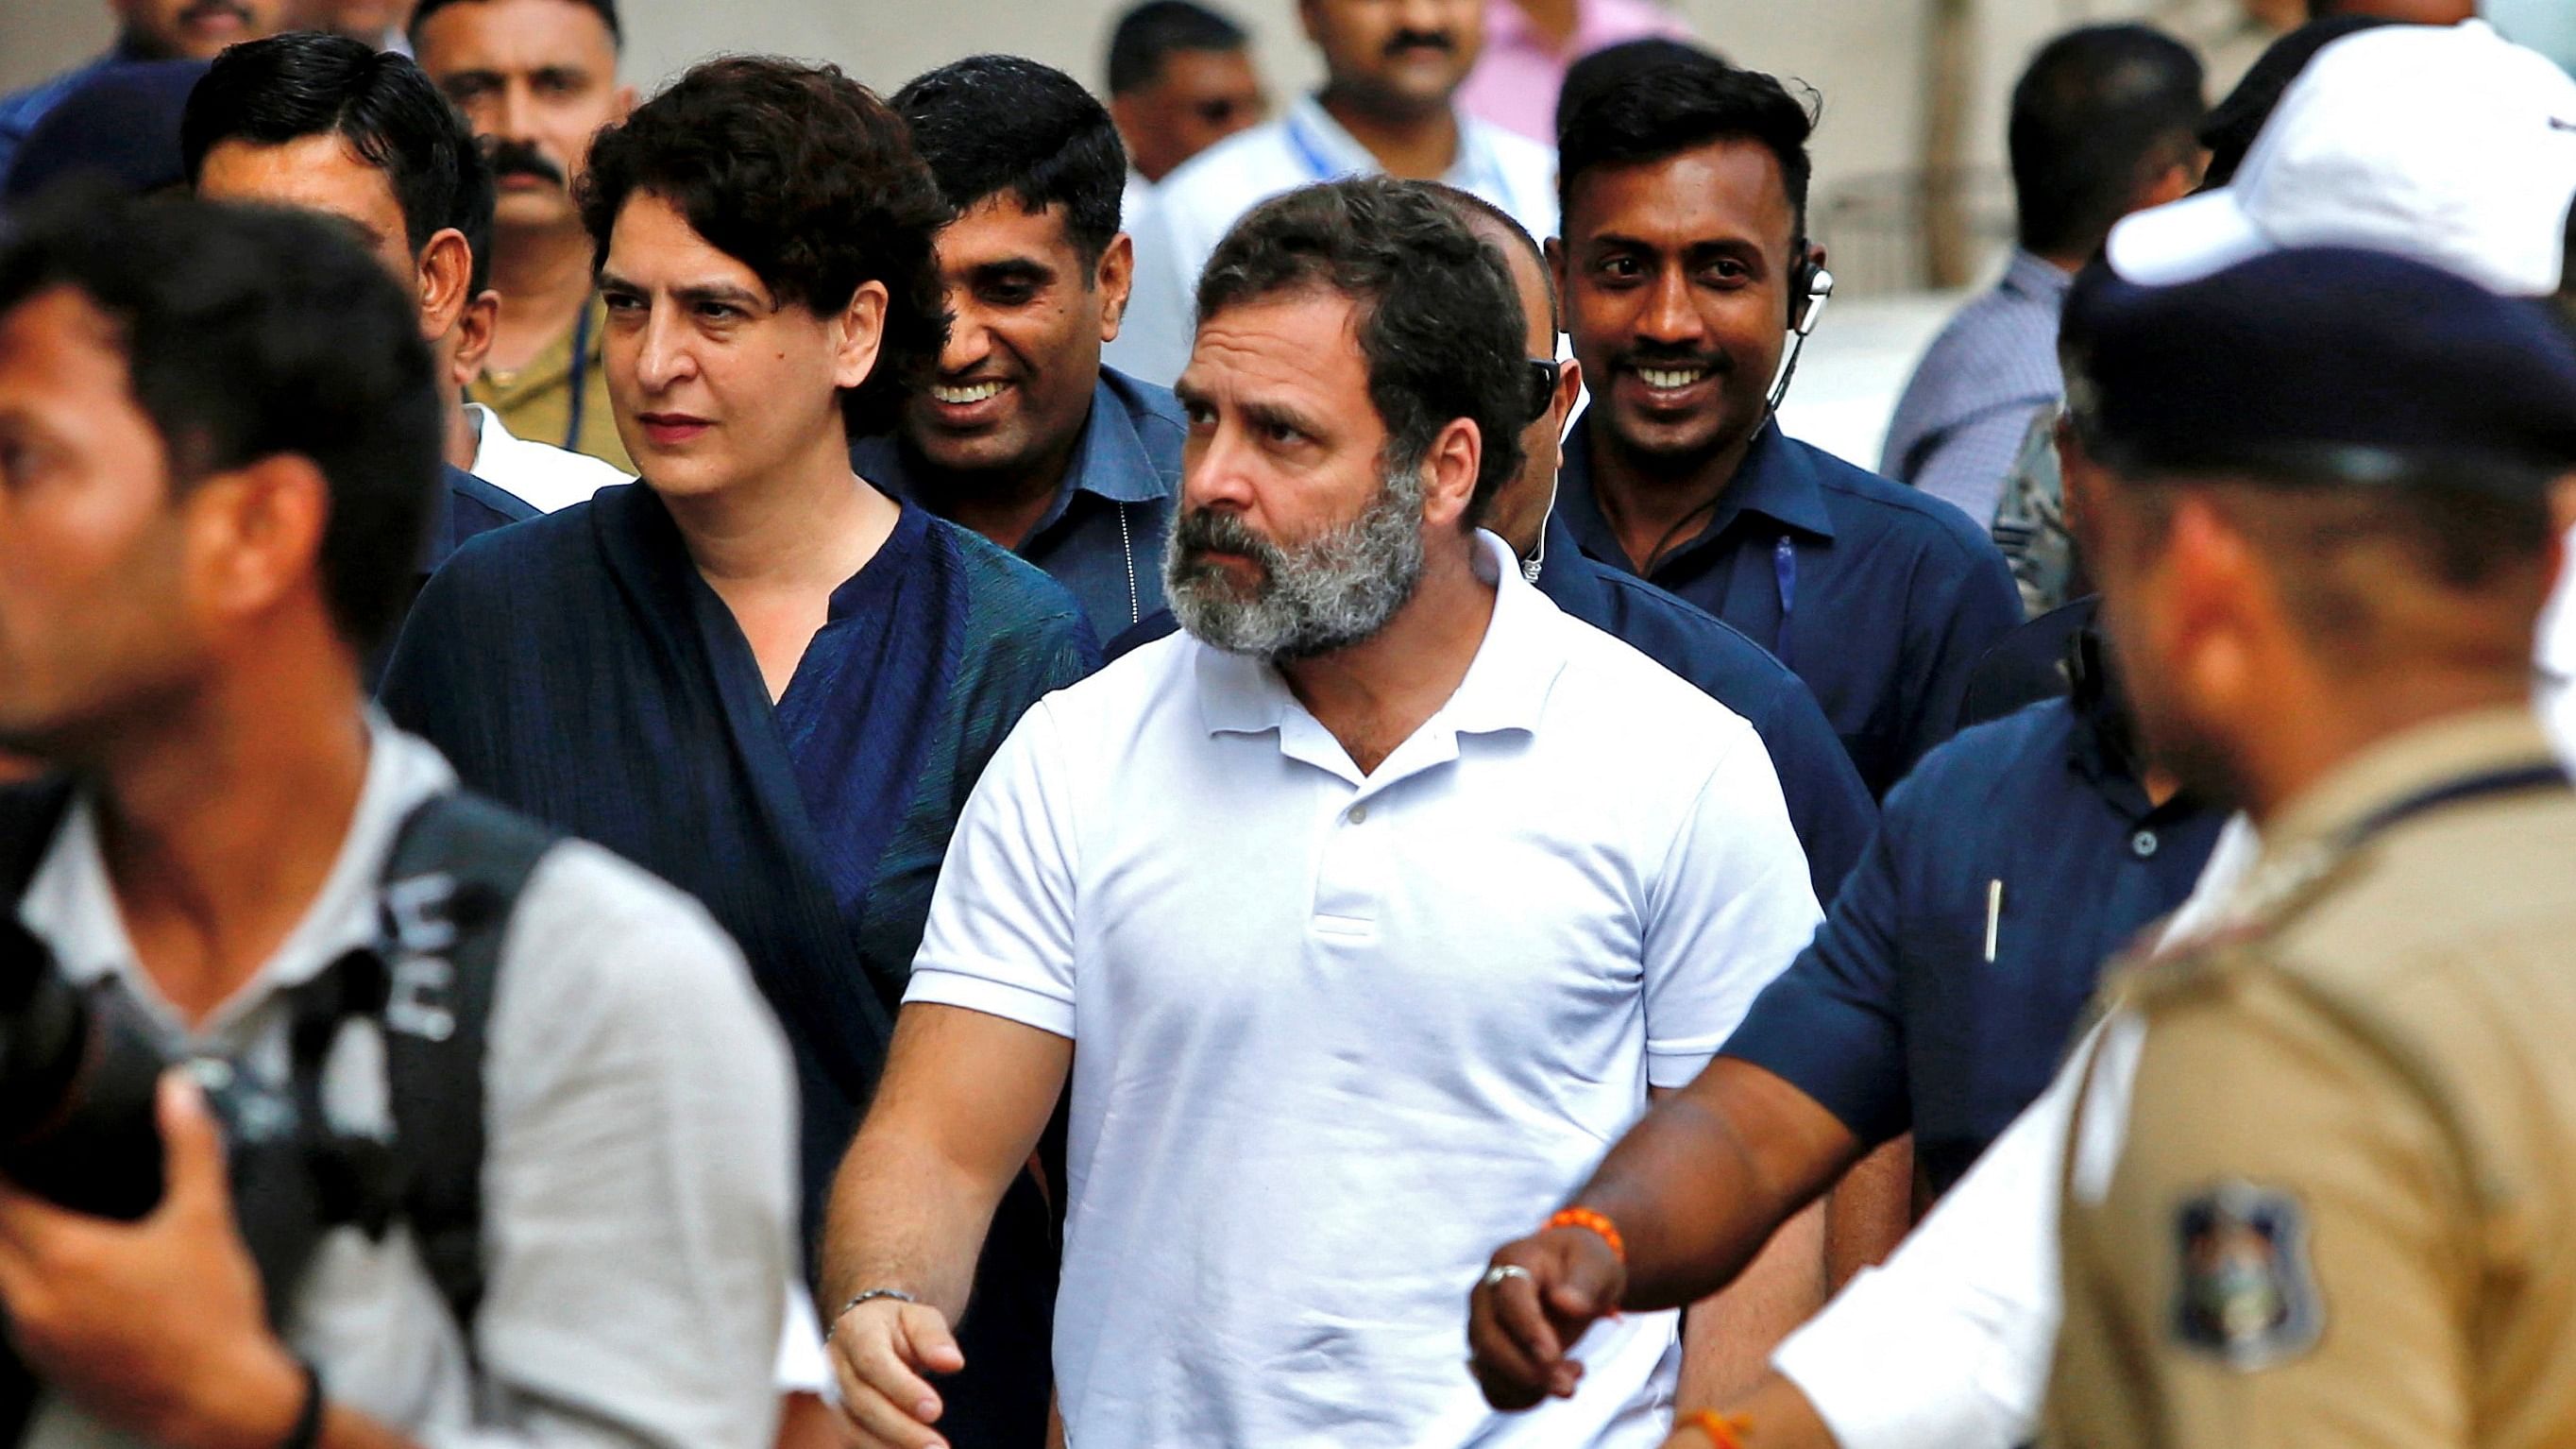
column 1775, row 480
column 1505, row 688
column 1110, row 459
column 2032, row 276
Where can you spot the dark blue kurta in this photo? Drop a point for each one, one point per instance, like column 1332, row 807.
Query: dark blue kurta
column 578, row 668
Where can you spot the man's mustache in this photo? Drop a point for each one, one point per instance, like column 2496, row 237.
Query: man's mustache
column 210, row 9
column 1204, row 531
column 519, row 158
column 1404, row 40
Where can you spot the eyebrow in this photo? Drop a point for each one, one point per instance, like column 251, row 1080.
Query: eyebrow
column 692, row 293
column 1281, row 415
column 1016, row 269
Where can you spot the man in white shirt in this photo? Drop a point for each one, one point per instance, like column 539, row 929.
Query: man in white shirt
column 1376, row 902
column 1387, row 106
column 223, row 443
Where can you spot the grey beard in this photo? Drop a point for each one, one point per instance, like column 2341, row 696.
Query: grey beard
column 1326, row 594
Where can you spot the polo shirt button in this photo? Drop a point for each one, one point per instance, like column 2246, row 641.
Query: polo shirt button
column 1359, row 815
column 2143, row 844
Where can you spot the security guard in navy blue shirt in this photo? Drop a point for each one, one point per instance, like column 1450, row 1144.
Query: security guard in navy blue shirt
column 2017, row 858
column 1684, row 266
column 1022, row 435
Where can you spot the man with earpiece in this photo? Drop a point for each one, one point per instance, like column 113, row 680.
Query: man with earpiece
column 1685, row 269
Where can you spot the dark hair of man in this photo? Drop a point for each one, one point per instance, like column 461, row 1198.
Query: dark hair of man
column 2231, row 126
column 1439, row 321
column 249, row 333
column 606, row 10
column 1612, row 65
column 1150, row 33
column 991, row 124
column 1672, row 106
column 1476, row 210
column 288, row 87
column 803, row 175
column 2098, row 111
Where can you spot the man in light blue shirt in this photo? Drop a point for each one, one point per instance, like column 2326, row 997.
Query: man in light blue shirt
column 1021, row 434
column 2102, row 125
column 1387, row 106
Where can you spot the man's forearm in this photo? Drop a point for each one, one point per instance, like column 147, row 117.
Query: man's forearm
column 1700, row 1184
column 904, row 1217
column 1727, row 1340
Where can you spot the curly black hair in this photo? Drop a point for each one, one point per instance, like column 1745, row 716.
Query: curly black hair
column 806, row 177
column 1440, row 322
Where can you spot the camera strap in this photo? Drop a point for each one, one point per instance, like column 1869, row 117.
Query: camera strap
column 450, row 883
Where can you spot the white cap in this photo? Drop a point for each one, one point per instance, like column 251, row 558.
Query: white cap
column 2448, row 145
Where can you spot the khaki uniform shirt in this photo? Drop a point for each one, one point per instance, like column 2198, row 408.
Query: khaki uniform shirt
column 2344, row 1212
column 535, row 402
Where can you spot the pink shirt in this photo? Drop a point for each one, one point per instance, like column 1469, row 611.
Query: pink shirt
column 1515, row 83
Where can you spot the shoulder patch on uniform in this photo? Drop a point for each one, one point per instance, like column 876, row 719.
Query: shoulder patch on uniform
column 2243, row 1289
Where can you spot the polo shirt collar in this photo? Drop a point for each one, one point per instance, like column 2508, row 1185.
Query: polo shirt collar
column 1775, row 481
column 1505, row 688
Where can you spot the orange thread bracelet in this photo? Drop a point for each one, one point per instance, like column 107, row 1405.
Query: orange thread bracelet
column 1586, row 1218
column 1722, row 1431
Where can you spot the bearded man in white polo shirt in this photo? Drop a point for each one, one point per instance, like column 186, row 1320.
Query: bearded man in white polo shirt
column 1376, row 901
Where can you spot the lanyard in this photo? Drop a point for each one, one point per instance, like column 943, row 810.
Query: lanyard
column 580, row 376
column 1487, row 179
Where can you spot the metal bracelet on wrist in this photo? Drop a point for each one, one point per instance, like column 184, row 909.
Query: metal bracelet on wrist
column 870, row 1296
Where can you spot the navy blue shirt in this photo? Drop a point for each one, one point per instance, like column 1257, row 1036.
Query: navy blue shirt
column 1828, row 806
column 467, row 506
column 1879, row 597
column 1102, row 538
column 1893, row 1019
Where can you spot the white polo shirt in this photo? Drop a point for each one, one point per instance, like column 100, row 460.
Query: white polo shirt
column 1341, row 1035
column 1198, row 203
column 540, row 474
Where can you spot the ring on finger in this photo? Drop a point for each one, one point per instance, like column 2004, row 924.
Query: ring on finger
column 1495, row 1275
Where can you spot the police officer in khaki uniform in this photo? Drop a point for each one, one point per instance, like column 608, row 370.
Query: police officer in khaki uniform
column 2322, row 1188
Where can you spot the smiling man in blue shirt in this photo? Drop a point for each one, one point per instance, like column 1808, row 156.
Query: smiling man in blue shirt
column 1684, row 265
column 1022, row 435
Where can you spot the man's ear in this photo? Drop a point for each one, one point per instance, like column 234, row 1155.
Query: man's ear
column 475, row 329
column 1449, row 473
column 255, row 535
column 622, row 104
column 446, row 269
column 1569, row 391
column 1556, row 273
column 2221, row 602
column 1116, row 279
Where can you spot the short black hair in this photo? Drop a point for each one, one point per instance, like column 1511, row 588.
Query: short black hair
column 288, row 87
column 991, row 124
column 250, row 333
column 1612, row 65
column 803, row 175
column 606, row 10
column 1680, row 104
column 2231, row 126
column 2095, row 111
column 1151, row 33
column 1439, row 322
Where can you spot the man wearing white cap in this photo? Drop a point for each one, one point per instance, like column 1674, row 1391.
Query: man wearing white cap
column 2447, row 145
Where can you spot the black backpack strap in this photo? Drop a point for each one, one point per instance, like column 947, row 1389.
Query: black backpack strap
column 450, row 885
column 29, row 816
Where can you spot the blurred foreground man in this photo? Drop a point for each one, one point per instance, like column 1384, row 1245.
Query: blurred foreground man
column 538, row 1187
column 2333, row 1204
column 1374, row 902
